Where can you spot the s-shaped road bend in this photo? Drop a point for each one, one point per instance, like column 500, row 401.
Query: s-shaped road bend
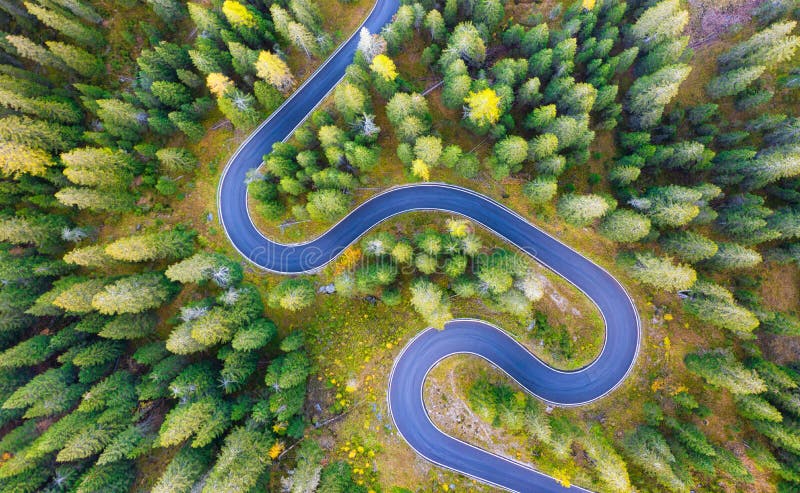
column 463, row 336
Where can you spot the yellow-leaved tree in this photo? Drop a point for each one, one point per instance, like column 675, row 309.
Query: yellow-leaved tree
column 17, row 159
column 384, row 66
column 274, row 70
column 218, row 83
column 421, row 170
column 237, row 14
column 483, row 107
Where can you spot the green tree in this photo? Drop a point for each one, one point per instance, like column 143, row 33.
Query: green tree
column 174, row 243
column 731, row 256
column 327, row 205
column 647, row 449
column 350, row 101
column 540, row 190
column 241, row 461
column 292, row 294
column 205, row 419
column 770, row 47
column 580, row 210
column 688, row 246
column 69, row 27
column 714, row 304
column 625, row 225
column 429, row 300
column 78, row 59
column 184, row 470
column 649, row 94
column 658, row 272
column 133, row 294
column 734, row 81
column 721, row 369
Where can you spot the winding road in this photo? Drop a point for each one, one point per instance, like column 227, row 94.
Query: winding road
column 463, row 336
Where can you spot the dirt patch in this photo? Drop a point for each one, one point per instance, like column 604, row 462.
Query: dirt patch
column 779, row 288
column 711, row 19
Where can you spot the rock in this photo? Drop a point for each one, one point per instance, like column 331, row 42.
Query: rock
column 327, row 289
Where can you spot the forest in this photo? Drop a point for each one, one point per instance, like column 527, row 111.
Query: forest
column 140, row 352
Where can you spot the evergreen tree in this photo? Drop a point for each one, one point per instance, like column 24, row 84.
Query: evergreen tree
column 184, row 470
column 716, row 305
column 580, row 210
column 241, row 461
column 688, row 246
column 769, row 47
column 720, row 368
column 18, row 159
column 625, row 225
column 327, row 205
column 734, row 81
column 292, row 294
column 429, row 300
column 649, row 94
column 133, row 294
column 658, row 272
column 205, row 419
column 78, row 59
column 69, row 27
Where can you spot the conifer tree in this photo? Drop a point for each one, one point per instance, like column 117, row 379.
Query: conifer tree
column 580, row 210
column 292, row 294
column 78, row 59
column 133, row 294
column 69, row 27
column 625, row 225
column 720, row 368
column 18, row 159
column 658, row 272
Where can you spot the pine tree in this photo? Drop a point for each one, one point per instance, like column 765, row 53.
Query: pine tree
column 350, row 101
column 662, row 22
column 95, row 200
column 625, row 225
column 302, row 38
column 465, row 43
column 580, row 210
column 658, row 272
column 41, row 231
column 169, row 11
column 275, row 71
column 78, row 59
column 647, row 449
column 731, row 256
column 720, row 368
column 429, row 300
column 121, row 119
column 37, row 134
column 757, row 408
column 716, row 305
column 19, row 159
column 307, row 13
column 511, row 152
column 327, row 205
column 205, row 419
column 769, row 47
column 292, row 294
column 540, row 190
column 98, row 167
column 241, row 461
column 34, row 52
column 184, row 470
column 734, row 81
column 176, row 159
column 649, row 94
column 171, row 94
column 69, row 27
column 133, row 294
column 688, row 246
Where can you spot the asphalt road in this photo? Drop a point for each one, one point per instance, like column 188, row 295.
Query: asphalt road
column 460, row 336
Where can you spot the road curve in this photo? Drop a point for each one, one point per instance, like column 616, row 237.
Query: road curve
column 460, row 336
